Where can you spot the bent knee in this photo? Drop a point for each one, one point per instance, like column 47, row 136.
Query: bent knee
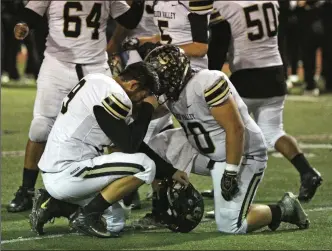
column 230, row 222
column 272, row 134
column 40, row 129
column 149, row 172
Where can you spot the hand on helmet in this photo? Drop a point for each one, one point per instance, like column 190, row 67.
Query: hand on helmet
column 181, row 177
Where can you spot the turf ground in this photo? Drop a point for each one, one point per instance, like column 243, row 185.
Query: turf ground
column 308, row 119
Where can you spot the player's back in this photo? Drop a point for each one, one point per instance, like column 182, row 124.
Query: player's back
column 254, row 28
column 172, row 19
column 77, row 29
column 206, row 89
column 76, row 135
column 146, row 26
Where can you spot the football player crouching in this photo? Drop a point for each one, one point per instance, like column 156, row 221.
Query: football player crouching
column 81, row 183
column 218, row 138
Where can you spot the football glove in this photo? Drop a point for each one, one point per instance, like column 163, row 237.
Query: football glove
column 130, row 44
column 229, row 185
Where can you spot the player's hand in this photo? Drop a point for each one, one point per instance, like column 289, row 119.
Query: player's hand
column 181, row 177
column 229, row 185
column 152, row 100
column 130, row 44
column 21, row 31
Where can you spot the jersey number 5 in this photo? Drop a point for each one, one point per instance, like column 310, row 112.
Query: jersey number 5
column 71, row 95
column 271, row 32
column 92, row 20
column 162, row 24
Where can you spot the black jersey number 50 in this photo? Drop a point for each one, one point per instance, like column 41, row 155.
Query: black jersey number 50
column 92, row 20
column 271, row 32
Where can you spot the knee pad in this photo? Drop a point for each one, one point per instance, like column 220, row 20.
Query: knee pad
column 40, row 129
column 271, row 135
column 228, row 222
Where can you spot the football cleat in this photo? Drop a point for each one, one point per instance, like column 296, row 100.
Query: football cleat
column 22, row 200
column 309, row 183
column 40, row 213
column 292, row 211
column 90, row 224
column 208, row 194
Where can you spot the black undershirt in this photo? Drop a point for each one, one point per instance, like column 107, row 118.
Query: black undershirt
column 129, row 138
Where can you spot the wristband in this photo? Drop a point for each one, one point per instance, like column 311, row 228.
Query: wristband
column 232, row 168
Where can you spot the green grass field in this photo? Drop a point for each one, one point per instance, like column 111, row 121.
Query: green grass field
column 310, row 120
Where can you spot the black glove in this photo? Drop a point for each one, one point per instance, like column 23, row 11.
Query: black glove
column 145, row 49
column 130, row 44
column 229, row 185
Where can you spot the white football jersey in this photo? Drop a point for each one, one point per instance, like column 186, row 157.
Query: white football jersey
column 77, row 29
column 254, row 28
column 172, row 19
column 146, row 26
column 205, row 90
column 76, row 135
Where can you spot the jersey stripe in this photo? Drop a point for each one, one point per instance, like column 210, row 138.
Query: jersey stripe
column 200, row 5
column 116, row 168
column 215, row 17
column 115, row 107
column 217, row 92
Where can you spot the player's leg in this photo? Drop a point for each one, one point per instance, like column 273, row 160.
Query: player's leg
column 238, row 216
column 269, row 117
column 111, row 177
column 54, row 82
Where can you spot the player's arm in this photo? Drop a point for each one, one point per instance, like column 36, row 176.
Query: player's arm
column 199, row 32
column 132, row 15
column 201, row 7
column 111, row 119
column 220, row 36
column 29, row 18
column 225, row 112
column 115, row 42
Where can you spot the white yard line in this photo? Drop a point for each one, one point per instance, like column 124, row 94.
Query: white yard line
column 20, row 239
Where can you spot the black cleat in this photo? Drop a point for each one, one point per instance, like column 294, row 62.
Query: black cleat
column 90, row 224
column 22, row 200
column 208, row 193
column 40, row 213
column 292, row 211
column 309, row 183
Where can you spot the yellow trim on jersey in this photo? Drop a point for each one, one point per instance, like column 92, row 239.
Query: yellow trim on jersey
column 112, row 111
column 214, row 88
column 200, row 5
column 215, row 17
column 119, row 103
column 108, row 170
column 218, row 98
column 115, row 107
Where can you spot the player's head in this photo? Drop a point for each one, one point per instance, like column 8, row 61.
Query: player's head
column 180, row 208
column 173, row 68
column 139, row 81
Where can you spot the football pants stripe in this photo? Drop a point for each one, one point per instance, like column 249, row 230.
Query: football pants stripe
column 200, row 5
column 215, row 17
column 116, row 168
column 115, row 107
column 249, row 197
